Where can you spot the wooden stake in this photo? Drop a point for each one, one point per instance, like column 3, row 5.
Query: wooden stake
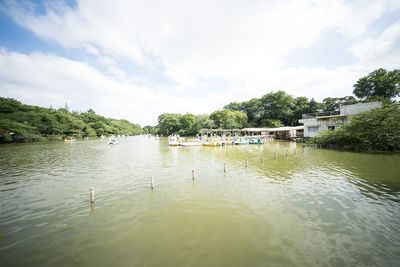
column 91, row 195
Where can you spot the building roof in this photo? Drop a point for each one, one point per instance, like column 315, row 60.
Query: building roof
column 221, row 130
column 278, row 129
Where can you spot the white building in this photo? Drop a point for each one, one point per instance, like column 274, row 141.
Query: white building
column 286, row 133
column 316, row 123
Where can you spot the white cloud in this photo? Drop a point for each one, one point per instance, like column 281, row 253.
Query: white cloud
column 45, row 79
column 383, row 50
column 194, row 44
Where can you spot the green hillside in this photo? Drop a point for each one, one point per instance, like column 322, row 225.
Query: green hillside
column 20, row 122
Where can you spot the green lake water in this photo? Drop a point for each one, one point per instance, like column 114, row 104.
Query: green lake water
column 313, row 208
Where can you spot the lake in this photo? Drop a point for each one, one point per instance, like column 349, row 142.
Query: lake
column 315, row 207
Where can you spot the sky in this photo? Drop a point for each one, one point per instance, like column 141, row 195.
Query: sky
column 137, row 59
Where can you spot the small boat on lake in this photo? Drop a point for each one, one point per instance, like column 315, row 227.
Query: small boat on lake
column 113, row 142
column 256, row 141
column 173, row 140
column 241, row 141
column 213, row 142
column 192, row 143
column 69, row 140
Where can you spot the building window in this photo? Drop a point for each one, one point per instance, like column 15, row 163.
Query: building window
column 331, row 128
column 313, row 128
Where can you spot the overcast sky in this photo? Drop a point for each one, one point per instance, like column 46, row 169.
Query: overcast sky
column 138, row 59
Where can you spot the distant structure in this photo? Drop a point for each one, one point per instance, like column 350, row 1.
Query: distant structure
column 316, row 123
column 284, row 133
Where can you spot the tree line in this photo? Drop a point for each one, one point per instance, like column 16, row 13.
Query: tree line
column 19, row 122
column 278, row 108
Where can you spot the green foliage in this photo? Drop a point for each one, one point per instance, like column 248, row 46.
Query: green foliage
column 330, row 104
column 188, row 125
column 229, row 119
column 252, row 108
column 148, row 129
column 17, row 131
column 271, row 123
column 169, row 123
column 184, row 125
column 278, row 106
column 275, row 109
column 378, row 84
column 377, row 130
column 203, row 121
column 21, row 122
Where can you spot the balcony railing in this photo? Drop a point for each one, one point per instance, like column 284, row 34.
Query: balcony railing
column 320, row 114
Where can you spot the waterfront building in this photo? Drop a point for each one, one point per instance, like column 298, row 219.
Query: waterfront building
column 316, row 123
column 285, row 133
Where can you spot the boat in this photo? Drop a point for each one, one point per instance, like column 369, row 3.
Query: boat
column 193, row 143
column 213, row 142
column 226, row 141
column 241, row 141
column 256, row 141
column 69, row 140
column 113, row 142
column 173, row 143
column 173, row 140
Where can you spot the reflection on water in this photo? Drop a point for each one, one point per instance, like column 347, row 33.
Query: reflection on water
column 309, row 207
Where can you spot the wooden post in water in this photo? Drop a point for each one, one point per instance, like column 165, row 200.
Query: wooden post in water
column 224, row 167
column 91, row 195
column 294, row 151
column 276, row 155
column 152, row 182
column 193, row 174
column 286, row 154
column 247, row 163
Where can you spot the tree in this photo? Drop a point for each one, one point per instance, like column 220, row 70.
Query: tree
column 302, row 106
column 203, row 121
column 271, row 123
column 21, row 122
column 229, row 119
column 278, row 106
column 314, row 106
column 169, row 123
column 188, row 125
column 330, row 104
column 378, row 84
column 275, row 109
column 148, row 129
column 252, row 109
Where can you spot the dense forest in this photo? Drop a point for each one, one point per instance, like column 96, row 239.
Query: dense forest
column 19, row 122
